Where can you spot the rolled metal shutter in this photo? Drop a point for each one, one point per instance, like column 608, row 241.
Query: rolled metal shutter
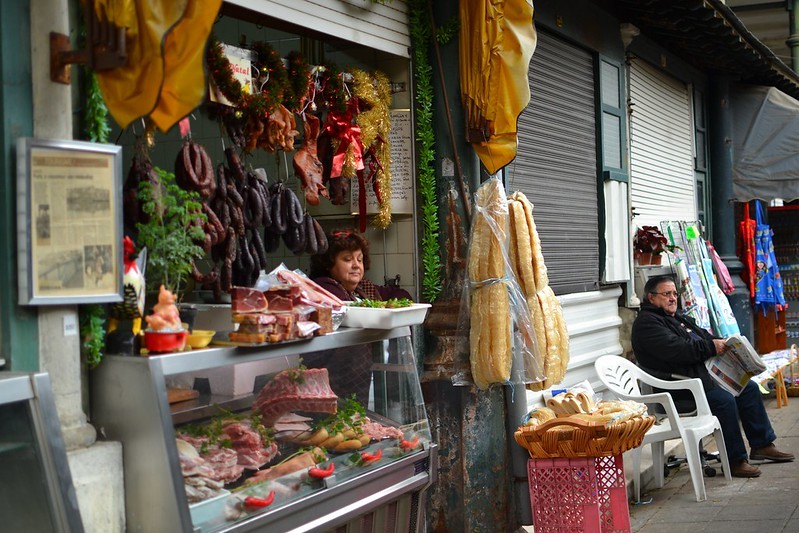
column 662, row 180
column 556, row 165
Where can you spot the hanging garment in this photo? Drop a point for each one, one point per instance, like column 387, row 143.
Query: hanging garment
column 746, row 249
column 722, row 273
column 768, row 282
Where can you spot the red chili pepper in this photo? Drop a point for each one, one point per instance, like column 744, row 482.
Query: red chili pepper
column 410, row 444
column 252, row 501
column 321, row 473
column 367, row 457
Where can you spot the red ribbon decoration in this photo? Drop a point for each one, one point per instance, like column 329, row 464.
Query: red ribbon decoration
column 340, row 127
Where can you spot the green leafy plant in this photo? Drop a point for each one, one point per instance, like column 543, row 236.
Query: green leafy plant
column 350, row 415
column 91, row 318
column 420, row 42
column 92, row 333
column 172, row 233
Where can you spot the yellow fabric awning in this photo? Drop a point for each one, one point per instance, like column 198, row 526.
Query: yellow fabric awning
column 165, row 40
column 497, row 41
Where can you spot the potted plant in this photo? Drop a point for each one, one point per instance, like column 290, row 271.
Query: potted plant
column 648, row 244
column 172, row 232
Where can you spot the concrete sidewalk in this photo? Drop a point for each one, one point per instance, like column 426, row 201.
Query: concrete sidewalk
column 767, row 504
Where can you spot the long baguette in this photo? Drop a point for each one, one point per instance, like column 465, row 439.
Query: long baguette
column 490, row 342
column 541, row 277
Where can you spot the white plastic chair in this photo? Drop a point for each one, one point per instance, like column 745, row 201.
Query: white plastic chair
column 622, row 377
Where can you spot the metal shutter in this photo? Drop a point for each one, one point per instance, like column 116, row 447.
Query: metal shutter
column 556, row 164
column 661, row 154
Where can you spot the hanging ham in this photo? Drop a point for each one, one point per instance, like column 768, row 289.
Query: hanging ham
column 307, row 165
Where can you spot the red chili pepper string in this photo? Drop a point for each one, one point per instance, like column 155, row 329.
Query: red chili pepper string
column 409, row 444
column 367, row 457
column 321, row 473
column 252, row 501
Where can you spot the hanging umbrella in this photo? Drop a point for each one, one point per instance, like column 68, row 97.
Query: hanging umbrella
column 497, row 40
column 768, row 282
column 165, row 42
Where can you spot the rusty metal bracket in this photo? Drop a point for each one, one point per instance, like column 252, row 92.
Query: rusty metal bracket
column 105, row 47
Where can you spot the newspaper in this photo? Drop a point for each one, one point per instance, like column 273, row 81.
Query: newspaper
column 733, row 369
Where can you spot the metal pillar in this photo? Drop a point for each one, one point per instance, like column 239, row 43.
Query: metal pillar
column 793, row 38
column 723, row 208
column 475, row 479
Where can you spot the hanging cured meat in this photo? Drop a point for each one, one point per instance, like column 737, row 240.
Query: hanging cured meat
column 307, row 165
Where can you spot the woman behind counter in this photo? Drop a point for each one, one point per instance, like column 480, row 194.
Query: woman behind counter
column 341, row 271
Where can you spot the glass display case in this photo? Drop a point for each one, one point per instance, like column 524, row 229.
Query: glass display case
column 36, row 492
column 374, row 486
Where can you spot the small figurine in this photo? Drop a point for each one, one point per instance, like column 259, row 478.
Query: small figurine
column 132, row 308
column 166, row 316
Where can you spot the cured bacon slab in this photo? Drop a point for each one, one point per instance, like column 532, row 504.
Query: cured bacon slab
column 286, row 393
column 246, row 300
column 311, row 292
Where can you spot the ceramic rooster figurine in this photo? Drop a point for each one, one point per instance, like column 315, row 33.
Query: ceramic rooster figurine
column 132, row 308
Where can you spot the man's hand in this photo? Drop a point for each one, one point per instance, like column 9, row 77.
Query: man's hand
column 720, row 345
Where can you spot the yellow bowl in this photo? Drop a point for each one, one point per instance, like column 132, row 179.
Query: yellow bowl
column 200, row 338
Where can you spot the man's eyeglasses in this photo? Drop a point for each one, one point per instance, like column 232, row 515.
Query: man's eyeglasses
column 668, row 294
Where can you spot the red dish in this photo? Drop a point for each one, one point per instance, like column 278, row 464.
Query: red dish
column 165, row 341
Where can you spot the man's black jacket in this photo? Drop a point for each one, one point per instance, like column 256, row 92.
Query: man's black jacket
column 666, row 344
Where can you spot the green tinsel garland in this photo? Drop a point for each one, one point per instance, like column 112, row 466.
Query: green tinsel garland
column 333, row 87
column 251, row 104
column 299, row 73
column 420, row 42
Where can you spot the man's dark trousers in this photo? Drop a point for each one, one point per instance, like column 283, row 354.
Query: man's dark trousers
column 755, row 421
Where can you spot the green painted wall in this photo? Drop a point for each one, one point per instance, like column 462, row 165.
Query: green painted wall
column 18, row 325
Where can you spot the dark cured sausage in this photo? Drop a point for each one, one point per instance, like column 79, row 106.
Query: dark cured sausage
column 311, row 245
column 321, row 237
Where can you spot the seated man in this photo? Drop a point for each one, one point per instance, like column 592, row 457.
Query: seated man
column 667, row 341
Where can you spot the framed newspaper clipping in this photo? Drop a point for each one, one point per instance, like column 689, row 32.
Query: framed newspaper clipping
column 69, row 222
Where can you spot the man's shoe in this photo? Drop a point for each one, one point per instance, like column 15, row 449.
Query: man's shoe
column 770, row 453
column 742, row 468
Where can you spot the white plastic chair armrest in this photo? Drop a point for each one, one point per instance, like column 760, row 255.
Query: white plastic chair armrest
column 662, row 398
column 694, row 385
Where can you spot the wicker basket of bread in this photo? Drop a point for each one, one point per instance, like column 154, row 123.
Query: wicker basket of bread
column 572, row 427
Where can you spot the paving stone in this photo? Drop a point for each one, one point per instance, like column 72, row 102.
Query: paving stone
column 744, row 526
column 768, row 504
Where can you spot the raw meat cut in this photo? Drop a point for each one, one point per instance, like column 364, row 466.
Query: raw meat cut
column 310, row 392
column 252, row 451
column 246, row 300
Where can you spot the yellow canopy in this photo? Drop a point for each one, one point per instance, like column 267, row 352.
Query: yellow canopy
column 165, row 42
column 497, row 41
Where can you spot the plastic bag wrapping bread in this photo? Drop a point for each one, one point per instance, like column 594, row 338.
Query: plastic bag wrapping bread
column 496, row 305
column 538, row 416
column 620, row 410
column 527, row 260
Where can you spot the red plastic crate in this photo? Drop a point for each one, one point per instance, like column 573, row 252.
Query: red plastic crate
column 586, row 494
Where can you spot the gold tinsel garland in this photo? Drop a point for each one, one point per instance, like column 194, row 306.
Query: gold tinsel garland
column 375, row 124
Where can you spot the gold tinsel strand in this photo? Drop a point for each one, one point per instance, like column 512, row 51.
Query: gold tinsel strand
column 375, row 124
column 348, row 168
